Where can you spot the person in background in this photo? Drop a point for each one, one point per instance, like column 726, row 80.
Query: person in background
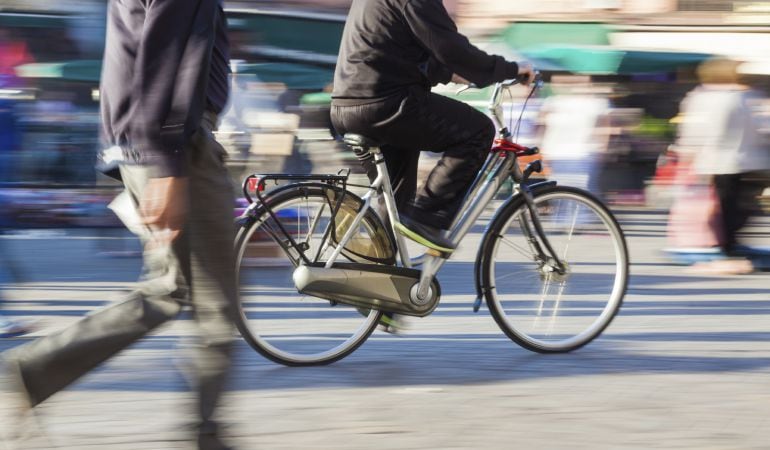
column 720, row 141
column 12, row 54
column 8, row 272
column 164, row 82
column 575, row 132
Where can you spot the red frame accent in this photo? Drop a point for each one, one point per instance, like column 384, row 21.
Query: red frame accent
column 504, row 145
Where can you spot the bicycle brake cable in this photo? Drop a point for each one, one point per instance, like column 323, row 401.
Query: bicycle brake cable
column 523, row 108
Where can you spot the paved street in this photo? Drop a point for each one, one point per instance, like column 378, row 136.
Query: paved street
column 686, row 365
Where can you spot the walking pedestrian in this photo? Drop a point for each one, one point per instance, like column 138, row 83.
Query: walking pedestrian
column 727, row 160
column 164, row 82
column 8, row 272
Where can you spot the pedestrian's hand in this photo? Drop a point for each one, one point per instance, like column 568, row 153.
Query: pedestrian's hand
column 526, row 73
column 164, row 206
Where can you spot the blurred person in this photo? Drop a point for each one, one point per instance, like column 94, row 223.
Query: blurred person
column 12, row 54
column 164, row 82
column 392, row 53
column 575, row 124
column 8, row 272
column 720, row 144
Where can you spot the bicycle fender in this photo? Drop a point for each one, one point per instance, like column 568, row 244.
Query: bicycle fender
column 542, row 184
column 481, row 290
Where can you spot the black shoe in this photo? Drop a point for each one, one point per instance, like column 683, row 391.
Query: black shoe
column 424, row 235
column 208, row 437
column 212, row 442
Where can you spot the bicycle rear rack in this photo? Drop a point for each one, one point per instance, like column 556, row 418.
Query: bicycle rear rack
column 258, row 183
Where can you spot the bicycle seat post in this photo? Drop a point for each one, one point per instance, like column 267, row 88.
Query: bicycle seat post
column 367, row 149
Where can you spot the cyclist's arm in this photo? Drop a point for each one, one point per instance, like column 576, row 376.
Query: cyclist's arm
column 434, row 28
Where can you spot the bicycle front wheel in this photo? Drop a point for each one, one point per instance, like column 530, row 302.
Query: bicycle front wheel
column 547, row 310
column 280, row 323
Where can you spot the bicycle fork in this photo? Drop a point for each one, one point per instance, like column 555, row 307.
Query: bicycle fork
column 539, row 243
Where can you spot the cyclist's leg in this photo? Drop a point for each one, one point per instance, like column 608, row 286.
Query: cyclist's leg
column 426, row 121
column 402, row 170
column 440, row 124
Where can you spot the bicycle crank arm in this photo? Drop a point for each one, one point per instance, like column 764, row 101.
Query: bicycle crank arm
column 386, row 288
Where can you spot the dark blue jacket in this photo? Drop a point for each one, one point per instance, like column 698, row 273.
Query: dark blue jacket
column 165, row 62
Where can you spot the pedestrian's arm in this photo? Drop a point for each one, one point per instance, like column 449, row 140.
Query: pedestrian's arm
column 171, row 63
column 434, row 28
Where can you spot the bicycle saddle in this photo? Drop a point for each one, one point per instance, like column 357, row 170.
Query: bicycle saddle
column 357, row 140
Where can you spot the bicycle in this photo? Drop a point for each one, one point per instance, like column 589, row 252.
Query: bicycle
column 552, row 264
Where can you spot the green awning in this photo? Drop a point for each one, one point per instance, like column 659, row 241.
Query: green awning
column 605, row 60
column 524, row 35
column 85, row 70
column 32, row 20
column 295, row 76
column 313, row 37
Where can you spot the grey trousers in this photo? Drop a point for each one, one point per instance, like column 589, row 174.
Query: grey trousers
column 197, row 269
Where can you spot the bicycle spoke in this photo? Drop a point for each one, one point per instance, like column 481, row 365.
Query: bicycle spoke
column 526, row 254
column 314, row 224
column 556, row 306
column 571, row 232
column 510, row 274
column 543, row 295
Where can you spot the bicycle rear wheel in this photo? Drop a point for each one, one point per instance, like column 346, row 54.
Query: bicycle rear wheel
column 286, row 326
column 539, row 308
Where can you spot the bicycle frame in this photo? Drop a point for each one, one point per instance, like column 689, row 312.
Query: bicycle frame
column 499, row 165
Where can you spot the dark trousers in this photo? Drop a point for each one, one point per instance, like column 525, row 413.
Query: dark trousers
column 420, row 121
column 199, row 263
column 738, row 199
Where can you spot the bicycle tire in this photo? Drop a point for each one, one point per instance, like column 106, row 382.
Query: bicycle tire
column 292, row 343
column 508, row 279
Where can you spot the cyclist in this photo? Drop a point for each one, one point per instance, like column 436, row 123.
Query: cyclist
column 392, row 52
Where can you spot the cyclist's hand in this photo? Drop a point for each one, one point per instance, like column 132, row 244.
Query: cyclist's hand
column 164, row 206
column 457, row 79
column 526, row 73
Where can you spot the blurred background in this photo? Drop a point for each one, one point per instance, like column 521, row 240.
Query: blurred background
column 618, row 72
column 629, row 111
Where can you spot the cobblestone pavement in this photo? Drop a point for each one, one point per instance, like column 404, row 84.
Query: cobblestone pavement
column 685, row 365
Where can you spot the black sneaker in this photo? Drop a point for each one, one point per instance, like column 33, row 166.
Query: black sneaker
column 424, row 235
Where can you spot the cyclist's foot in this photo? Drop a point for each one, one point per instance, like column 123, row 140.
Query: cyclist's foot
column 392, row 323
column 424, row 235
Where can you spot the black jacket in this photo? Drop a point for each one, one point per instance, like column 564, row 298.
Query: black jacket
column 389, row 46
column 157, row 77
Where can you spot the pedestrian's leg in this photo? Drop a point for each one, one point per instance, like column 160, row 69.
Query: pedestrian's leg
column 213, row 279
column 51, row 363
column 726, row 187
column 748, row 188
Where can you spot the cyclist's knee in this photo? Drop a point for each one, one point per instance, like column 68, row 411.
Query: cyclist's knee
column 482, row 141
column 487, row 133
